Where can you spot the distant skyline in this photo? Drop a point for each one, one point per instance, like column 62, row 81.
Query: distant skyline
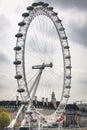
column 74, row 18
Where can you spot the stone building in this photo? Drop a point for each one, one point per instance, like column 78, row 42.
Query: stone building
column 11, row 107
column 83, row 116
column 74, row 116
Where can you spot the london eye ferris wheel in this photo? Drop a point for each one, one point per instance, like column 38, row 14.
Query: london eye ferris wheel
column 42, row 58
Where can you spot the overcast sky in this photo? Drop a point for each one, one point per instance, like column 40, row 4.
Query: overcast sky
column 74, row 18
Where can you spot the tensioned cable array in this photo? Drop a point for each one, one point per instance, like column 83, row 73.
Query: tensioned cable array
column 42, row 40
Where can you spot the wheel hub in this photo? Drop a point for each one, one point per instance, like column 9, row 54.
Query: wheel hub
column 42, row 66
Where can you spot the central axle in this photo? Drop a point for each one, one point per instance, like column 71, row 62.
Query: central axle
column 42, row 66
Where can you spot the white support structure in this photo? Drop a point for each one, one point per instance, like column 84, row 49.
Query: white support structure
column 40, row 9
column 14, row 120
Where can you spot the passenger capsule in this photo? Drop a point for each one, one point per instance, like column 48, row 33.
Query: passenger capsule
column 25, row 14
column 21, row 90
column 68, row 77
column 68, row 87
column 66, row 96
column 54, row 14
column 19, row 35
column 68, row 67
column 18, row 77
column 64, row 38
column 66, row 47
column 21, row 23
column 45, row 4
column 40, row 3
column 17, row 48
column 58, row 21
column 61, row 29
column 50, row 8
column 68, row 57
column 35, row 4
column 17, row 62
column 30, row 8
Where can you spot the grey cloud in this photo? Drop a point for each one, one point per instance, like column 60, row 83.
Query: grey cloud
column 79, row 34
column 2, row 86
column 80, row 4
column 84, row 82
column 4, row 34
column 3, row 58
column 5, row 27
column 68, row 4
column 4, row 23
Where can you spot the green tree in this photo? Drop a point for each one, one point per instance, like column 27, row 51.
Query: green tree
column 3, row 110
column 4, row 119
column 17, row 124
column 53, row 95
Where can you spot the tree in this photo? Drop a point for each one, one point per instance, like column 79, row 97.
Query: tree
column 3, row 110
column 4, row 119
column 17, row 124
column 53, row 95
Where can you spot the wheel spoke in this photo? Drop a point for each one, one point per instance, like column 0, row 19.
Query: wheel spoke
column 42, row 58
